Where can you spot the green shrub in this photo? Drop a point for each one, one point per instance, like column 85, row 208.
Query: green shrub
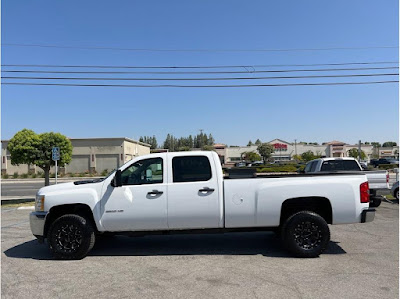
column 104, row 172
column 72, row 175
column 388, row 166
column 285, row 168
column 301, row 167
column 15, row 175
column 24, row 175
column 5, row 176
column 41, row 174
column 34, row 175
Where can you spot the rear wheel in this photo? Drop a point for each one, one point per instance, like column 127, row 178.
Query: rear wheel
column 71, row 237
column 305, row 234
column 396, row 193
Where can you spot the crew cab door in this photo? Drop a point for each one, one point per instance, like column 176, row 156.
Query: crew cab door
column 141, row 202
column 193, row 200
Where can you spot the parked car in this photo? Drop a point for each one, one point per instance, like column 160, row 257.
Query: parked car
column 257, row 163
column 377, row 162
column 378, row 180
column 185, row 192
column 395, row 190
column 240, row 164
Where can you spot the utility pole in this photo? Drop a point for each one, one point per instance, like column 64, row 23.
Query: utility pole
column 359, row 150
column 295, row 147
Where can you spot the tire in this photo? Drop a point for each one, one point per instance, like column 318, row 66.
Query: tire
column 305, row 234
column 375, row 202
column 71, row 237
column 396, row 193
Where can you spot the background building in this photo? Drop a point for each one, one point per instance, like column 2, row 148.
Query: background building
column 93, row 155
column 284, row 151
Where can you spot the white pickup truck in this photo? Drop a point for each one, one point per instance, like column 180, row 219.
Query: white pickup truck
column 378, row 180
column 185, row 192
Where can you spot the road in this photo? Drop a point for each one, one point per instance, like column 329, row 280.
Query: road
column 28, row 187
column 361, row 261
column 20, row 188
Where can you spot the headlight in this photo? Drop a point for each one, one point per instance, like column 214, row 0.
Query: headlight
column 39, row 204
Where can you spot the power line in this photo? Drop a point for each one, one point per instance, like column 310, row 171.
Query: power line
column 195, row 50
column 192, row 67
column 202, row 79
column 199, row 86
column 199, row 72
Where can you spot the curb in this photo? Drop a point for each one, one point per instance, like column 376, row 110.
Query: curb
column 51, row 179
column 17, row 200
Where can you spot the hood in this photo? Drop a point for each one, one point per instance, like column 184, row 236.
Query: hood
column 57, row 187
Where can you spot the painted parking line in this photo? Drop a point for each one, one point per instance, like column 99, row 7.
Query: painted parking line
column 26, row 208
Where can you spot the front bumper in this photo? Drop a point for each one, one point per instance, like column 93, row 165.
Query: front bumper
column 367, row 215
column 37, row 220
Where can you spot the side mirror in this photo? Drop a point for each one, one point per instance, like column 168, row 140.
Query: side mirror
column 117, row 181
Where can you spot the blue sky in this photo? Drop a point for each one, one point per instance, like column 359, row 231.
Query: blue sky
column 232, row 115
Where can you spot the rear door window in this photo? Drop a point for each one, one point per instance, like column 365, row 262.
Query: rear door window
column 191, row 169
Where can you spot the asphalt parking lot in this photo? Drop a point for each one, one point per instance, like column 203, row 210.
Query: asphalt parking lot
column 362, row 261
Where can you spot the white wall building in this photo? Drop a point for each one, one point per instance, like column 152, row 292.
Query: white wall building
column 88, row 155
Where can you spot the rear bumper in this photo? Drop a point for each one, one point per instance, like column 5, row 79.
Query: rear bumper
column 37, row 220
column 367, row 215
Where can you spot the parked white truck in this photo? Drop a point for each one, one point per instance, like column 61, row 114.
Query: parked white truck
column 185, row 192
column 378, row 180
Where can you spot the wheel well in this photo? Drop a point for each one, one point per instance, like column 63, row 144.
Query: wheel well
column 319, row 205
column 77, row 209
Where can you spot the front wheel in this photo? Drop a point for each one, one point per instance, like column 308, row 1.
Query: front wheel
column 305, row 234
column 71, row 237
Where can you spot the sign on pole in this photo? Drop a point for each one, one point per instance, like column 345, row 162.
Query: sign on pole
column 55, row 154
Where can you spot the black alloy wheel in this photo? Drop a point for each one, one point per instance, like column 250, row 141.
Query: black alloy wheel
column 305, row 234
column 71, row 237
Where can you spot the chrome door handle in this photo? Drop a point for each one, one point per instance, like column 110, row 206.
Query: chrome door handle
column 206, row 189
column 155, row 193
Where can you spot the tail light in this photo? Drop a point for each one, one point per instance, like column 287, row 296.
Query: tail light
column 387, row 177
column 364, row 192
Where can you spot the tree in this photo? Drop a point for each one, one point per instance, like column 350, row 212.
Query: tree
column 250, row 143
column 389, row 144
column 354, row 153
column 149, row 140
column 265, row 150
column 251, row 156
column 376, row 144
column 258, row 142
column 297, row 157
column 207, row 148
column 308, row 156
column 210, row 140
column 27, row 147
